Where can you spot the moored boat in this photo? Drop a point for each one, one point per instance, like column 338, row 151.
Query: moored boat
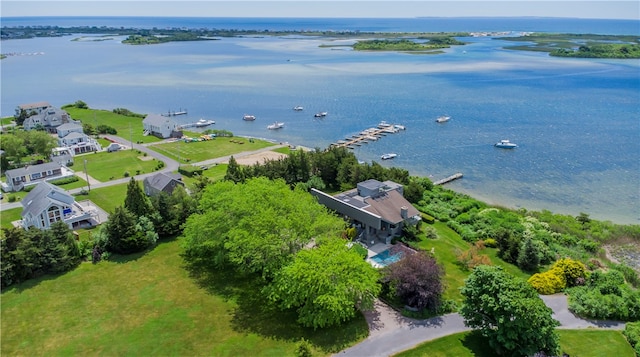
column 298, row 108
column 388, row 156
column 505, row 144
column 249, row 117
column 275, row 125
column 320, row 115
column 203, row 122
column 443, row 119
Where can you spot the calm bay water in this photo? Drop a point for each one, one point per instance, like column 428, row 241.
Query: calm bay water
column 577, row 121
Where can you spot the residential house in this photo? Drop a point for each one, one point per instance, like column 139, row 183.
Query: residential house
column 31, row 108
column 31, row 175
column 62, row 156
column 49, row 120
column 161, row 182
column 72, row 136
column 160, row 126
column 47, row 204
column 378, row 209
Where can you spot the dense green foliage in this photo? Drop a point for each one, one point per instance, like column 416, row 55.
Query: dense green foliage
column 124, row 233
column 29, row 253
column 580, row 45
column 609, row 50
column 21, row 144
column 632, row 334
column 405, row 44
column 605, row 296
column 145, row 37
column 172, row 211
column 326, row 284
column 509, row 313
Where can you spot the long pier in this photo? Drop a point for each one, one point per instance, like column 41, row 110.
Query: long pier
column 448, row 179
column 368, row 135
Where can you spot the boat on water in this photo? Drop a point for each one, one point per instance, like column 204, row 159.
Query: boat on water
column 443, row 119
column 298, row 108
column 248, row 117
column 320, row 115
column 505, row 144
column 174, row 113
column 275, row 125
column 388, row 156
column 204, row 122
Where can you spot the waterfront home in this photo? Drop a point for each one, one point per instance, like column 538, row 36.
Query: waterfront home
column 378, row 209
column 72, row 136
column 160, row 126
column 31, row 108
column 47, row 204
column 48, row 120
column 31, row 175
column 62, row 156
column 161, row 182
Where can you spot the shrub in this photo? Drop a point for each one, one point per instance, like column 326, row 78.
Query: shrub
column 573, row 270
column 469, row 259
column 126, row 174
column 490, row 243
column 362, row 251
column 189, row 170
column 632, row 333
column 549, row 282
column 64, row 181
column 303, row 349
column 11, row 198
column 427, row 218
column 630, row 275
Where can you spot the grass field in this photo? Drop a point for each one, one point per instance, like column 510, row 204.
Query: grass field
column 20, row 194
column 149, row 304
column 107, row 166
column 127, row 127
column 204, row 150
column 580, row 343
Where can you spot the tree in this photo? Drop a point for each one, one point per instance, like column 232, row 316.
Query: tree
column 528, row 257
column 136, row 201
column 13, row 146
column 508, row 312
column 127, row 234
column 325, row 284
column 234, row 171
column 257, row 226
column 417, row 280
column 40, row 142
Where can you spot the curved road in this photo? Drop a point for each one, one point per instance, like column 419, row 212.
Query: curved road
column 391, row 333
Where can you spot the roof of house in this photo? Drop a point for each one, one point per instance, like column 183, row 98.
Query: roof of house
column 390, row 205
column 42, row 196
column 156, row 119
column 69, row 126
column 31, row 169
column 160, row 180
column 34, row 105
column 74, row 134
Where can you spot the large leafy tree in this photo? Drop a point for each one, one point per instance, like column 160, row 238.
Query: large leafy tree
column 126, row 233
column 417, row 280
column 509, row 313
column 326, row 284
column 172, row 211
column 257, row 226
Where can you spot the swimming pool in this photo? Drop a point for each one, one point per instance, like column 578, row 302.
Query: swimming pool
column 385, row 257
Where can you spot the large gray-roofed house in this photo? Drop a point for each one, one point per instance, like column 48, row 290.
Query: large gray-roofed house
column 37, row 107
column 161, row 182
column 379, row 208
column 49, row 119
column 47, row 204
column 30, row 175
column 160, row 126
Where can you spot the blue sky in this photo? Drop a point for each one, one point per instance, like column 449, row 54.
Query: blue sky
column 324, row 8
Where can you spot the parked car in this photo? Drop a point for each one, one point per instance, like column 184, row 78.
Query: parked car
column 113, row 147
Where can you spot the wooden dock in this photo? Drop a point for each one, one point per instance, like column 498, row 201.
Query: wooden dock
column 448, row 179
column 368, row 135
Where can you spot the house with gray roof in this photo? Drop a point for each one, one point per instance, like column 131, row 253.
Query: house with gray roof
column 160, row 126
column 49, row 120
column 161, row 182
column 31, row 175
column 31, row 108
column 379, row 209
column 72, row 136
column 47, row 204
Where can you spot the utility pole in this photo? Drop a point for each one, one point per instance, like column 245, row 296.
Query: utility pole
column 130, row 135
column 87, row 174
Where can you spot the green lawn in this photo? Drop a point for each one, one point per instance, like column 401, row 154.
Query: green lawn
column 149, row 304
column 107, row 166
column 582, row 343
column 20, row 194
column 185, row 152
column 129, row 128
column 8, row 216
column 107, row 198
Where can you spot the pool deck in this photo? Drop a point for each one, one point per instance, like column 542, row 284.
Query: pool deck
column 374, row 250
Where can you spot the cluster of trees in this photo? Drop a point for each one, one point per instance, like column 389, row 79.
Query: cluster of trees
column 21, row 144
column 26, row 254
column 145, row 37
column 127, row 113
column 100, row 129
column 265, row 228
column 334, row 169
column 405, row 44
column 608, row 50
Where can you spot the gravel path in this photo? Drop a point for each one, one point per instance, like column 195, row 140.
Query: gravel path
column 391, row 333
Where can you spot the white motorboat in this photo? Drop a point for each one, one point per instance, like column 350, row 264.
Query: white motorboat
column 275, row 125
column 248, row 117
column 388, row 156
column 443, row 119
column 505, row 144
column 298, row 108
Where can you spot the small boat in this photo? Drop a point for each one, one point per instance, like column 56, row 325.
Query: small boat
column 203, row 122
column 298, row 108
column 399, row 127
column 443, row 119
column 320, row 115
column 505, row 144
column 275, row 125
column 384, row 124
column 249, row 117
column 388, row 156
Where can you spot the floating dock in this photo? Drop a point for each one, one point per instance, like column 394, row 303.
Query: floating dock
column 448, row 179
column 174, row 113
column 368, row 135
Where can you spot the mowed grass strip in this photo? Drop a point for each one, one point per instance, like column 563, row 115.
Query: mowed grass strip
column 106, row 166
column 586, row 343
column 127, row 127
column 185, row 152
column 148, row 304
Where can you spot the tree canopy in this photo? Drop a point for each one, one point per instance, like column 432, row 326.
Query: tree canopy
column 509, row 313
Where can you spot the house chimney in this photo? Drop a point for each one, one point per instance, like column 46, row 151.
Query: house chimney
column 404, row 212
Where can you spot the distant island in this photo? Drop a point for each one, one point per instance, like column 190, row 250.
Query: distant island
column 559, row 45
